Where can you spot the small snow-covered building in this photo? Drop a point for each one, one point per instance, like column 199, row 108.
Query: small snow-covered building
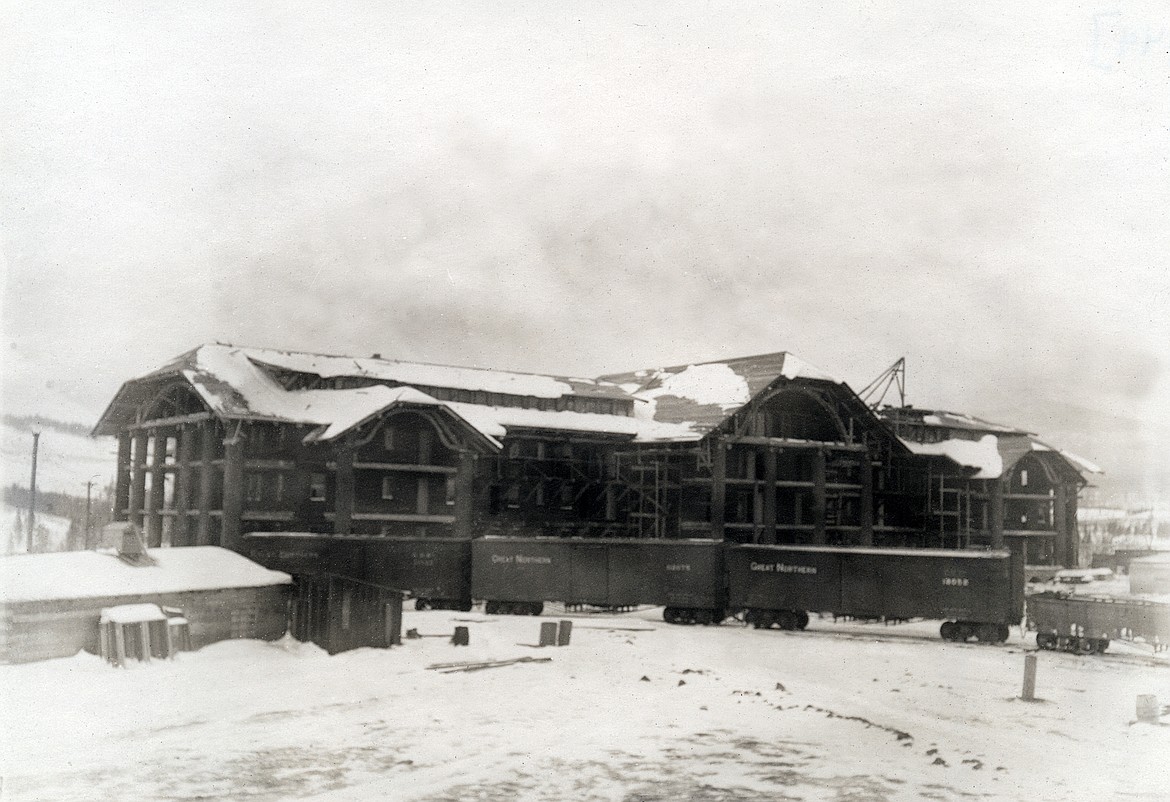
column 50, row 604
column 990, row 484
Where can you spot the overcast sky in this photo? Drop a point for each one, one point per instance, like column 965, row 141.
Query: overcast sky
column 588, row 187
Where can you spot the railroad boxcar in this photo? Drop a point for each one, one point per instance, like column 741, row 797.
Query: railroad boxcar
column 978, row 594
column 437, row 572
column 1086, row 624
column 516, row 575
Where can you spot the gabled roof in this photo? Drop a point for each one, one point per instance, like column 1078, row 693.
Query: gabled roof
column 237, row 384
column 679, row 403
column 686, row 402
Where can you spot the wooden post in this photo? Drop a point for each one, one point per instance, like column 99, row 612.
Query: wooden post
column 548, row 633
column 122, row 479
column 233, row 490
column 769, row 533
column 343, row 493
column 181, row 533
column 995, row 511
column 206, row 481
column 1066, row 542
column 819, row 496
column 462, row 636
column 138, row 480
column 464, row 494
column 718, row 487
column 119, row 645
column 564, row 632
column 865, row 510
column 144, row 640
column 1029, row 694
column 157, row 498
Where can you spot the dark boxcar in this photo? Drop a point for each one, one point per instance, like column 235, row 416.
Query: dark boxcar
column 981, row 591
column 784, row 578
column 516, row 575
column 437, row 572
column 306, row 553
column 972, row 586
column 687, row 575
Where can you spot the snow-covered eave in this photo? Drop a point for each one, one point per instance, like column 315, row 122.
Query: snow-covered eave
column 980, row 455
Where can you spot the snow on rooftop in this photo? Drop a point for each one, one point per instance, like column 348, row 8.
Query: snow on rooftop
column 711, row 383
column 492, row 381
column 133, row 613
column 494, row 422
column 92, row 574
column 982, row 454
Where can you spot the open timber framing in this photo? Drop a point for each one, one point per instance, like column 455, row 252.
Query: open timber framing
column 802, row 460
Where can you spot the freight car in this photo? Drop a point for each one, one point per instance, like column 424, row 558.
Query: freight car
column 437, row 572
column 1087, row 624
column 978, row 594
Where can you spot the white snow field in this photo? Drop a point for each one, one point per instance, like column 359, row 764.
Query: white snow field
column 631, row 709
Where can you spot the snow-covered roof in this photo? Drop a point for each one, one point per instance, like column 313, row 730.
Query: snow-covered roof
column 996, row 451
column 678, row 403
column 94, row 574
column 133, row 613
column 685, row 402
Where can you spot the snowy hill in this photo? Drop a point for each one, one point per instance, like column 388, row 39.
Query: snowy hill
column 52, row 531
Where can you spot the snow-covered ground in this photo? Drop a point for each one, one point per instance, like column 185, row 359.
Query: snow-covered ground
column 632, row 709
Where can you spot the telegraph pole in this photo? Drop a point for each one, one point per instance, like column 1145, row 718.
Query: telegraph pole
column 32, row 493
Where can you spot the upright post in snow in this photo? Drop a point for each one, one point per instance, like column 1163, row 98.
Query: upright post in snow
column 1029, row 694
column 32, row 493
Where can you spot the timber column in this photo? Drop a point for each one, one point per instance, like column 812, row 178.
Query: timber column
column 157, row 497
column 343, row 491
column 718, row 487
column 995, row 511
column 819, row 497
column 122, row 479
column 464, row 488
column 181, row 532
column 207, row 433
column 233, row 490
column 138, row 482
column 866, row 501
column 769, row 533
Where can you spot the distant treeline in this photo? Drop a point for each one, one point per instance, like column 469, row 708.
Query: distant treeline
column 65, row 505
column 34, row 423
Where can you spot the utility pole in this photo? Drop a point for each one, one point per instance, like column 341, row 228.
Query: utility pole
column 88, row 527
column 32, row 493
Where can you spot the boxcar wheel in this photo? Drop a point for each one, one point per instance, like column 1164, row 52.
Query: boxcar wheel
column 801, row 619
column 1046, row 640
column 1084, row 645
column 1102, row 645
column 422, row 604
column 491, row 607
column 947, row 631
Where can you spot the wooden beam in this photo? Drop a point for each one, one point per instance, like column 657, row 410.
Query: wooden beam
column 122, row 478
column 176, row 420
column 785, row 442
column 399, row 466
column 343, row 491
column 233, row 490
column 819, row 497
column 157, row 496
column 768, row 536
column 207, row 433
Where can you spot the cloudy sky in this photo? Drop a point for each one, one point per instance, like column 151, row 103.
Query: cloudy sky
column 587, row 187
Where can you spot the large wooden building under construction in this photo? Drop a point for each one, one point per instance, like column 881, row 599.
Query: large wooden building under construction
column 764, row 449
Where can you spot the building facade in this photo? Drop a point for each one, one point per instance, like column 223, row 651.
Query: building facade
column 763, row 449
